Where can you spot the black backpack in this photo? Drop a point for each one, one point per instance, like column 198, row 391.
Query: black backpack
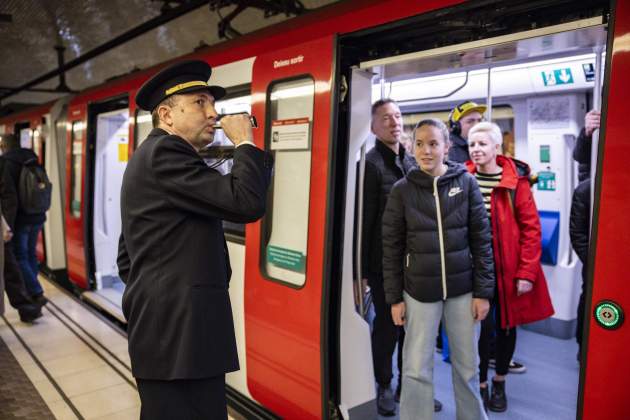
column 34, row 188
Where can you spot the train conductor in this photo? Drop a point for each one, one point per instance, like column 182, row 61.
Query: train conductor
column 172, row 253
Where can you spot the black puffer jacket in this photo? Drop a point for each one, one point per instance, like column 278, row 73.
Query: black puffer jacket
column 412, row 257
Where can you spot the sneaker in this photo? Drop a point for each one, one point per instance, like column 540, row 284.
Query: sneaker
column 498, row 399
column 385, row 402
column 516, row 367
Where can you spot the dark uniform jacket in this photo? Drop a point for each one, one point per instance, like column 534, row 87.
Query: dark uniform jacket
column 173, row 257
column 412, row 251
column 14, row 161
column 382, row 169
column 459, row 149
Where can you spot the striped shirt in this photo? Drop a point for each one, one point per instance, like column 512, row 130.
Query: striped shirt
column 487, row 182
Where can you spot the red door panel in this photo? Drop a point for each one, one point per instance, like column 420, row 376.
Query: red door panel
column 282, row 323
column 74, row 214
column 605, row 390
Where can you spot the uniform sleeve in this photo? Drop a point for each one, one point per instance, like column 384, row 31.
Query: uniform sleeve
column 394, row 239
column 123, row 260
column 579, row 225
column 480, row 238
column 192, row 186
column 371, row 205
column 528, row 222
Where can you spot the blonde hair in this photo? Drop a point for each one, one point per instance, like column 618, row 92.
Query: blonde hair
column 491, row 129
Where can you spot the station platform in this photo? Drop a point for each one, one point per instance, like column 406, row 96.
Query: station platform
column 69, row 364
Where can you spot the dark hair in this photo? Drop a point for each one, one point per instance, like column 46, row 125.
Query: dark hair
column 433, row 122
column 10, row 141
column 155, row 117
column 376, row 105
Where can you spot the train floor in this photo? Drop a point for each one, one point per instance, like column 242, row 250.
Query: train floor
column 547, row 390
column 68, row 364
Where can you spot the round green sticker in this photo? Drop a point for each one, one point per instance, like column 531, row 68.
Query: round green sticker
column 608, row 315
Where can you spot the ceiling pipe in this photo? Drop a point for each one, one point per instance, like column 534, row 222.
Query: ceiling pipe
column 165, row 17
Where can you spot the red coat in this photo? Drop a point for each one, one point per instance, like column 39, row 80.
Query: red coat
column 516, row 246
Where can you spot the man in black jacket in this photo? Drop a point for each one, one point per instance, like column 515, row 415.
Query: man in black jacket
column 579, row 230
column 172, row 252
column 461, row 119
column 385, row 164
column 14, row 282
column 26, row 225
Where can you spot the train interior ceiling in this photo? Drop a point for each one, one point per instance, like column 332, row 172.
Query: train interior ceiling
column 541, row 86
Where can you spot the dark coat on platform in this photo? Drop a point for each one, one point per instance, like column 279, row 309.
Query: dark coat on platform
column 173, row 256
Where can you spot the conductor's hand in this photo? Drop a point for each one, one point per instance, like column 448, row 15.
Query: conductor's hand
column 237, row 128
column 591, row 122
column 480, row 308
column 398, row 313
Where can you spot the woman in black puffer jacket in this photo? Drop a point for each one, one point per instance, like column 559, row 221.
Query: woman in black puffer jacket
column 437, row 262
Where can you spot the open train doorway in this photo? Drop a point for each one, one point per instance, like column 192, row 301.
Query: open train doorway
column 110, row 140
column 537, row 86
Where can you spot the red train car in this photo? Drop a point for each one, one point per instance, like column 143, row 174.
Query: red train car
column 304, row 343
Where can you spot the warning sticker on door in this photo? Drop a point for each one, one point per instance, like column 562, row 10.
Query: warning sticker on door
column 123, row 152
column 286, row 258
column 291, row 134
column 546, row 181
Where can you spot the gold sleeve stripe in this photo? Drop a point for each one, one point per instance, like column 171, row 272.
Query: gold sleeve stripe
column 181, row 86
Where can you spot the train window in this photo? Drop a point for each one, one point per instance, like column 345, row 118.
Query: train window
column 230, row 105
column 76, row 176
column 143, row 126
column 502, row 115
column 26, row 138
column 288, row 137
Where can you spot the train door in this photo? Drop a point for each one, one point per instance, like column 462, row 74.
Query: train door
column 604, row 380
column 543, row 78
column 74, row 197
column 286, row 254
column 109, row 149
column 38, row 142
column 55, row 149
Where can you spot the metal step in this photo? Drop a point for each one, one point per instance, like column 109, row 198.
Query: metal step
column 101, row 299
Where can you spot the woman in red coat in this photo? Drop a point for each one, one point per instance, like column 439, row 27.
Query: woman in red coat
column 521, row 295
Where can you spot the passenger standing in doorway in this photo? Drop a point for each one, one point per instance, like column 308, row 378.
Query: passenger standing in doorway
column 385, row 164
column 437, row 264
column 521, row 295
column 461, row 119
column 582, row 149
column 172, row 253
column 14, row 285
column 28, row 222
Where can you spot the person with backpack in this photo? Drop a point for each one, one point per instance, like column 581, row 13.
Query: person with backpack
column 33, row 200
column 521, row 295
